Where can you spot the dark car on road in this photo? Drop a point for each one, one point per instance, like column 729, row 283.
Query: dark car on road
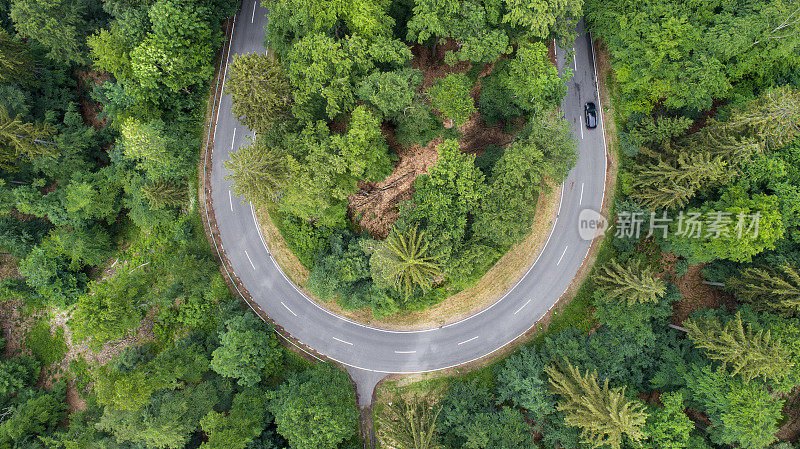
column 591, row 115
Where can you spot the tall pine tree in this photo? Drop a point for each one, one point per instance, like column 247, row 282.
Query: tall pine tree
column 631, row 283
column 604, row 414
column 772, row 289
column 747, row 352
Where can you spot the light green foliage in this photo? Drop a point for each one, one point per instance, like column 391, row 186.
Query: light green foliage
column 167, row 422
column 326, row 168
column 669, row 427
column 749, row 353
column 737, row 241
column 130, row 384
column 545, row 19
column 158, row 149
column 291, row 20
column 445, row 198
column 393, row 93
column 632, row 283
column 404, row 261
column 258, row 171
column 531, row 80
column 742, row 414
column 177, row 53
column 604, row 414
column 48, row 348
column 57, row 24
column 666, row 185
column 451, row 97
column 683, row 54
column 161, row 194
column 315, row 409
column 774, row 117
column 769, row 288
column 325, row 72
column 543, row 152
column 248, row 351
column 410, row 424
column 240, row 426
column 109, row 309
column 259, row 90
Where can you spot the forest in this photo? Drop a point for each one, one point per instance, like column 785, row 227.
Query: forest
column 705, row 114
column 118, row 329
column 356, row 92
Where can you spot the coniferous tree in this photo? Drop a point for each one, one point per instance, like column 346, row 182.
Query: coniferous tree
column 259, row 172
column 666, row 185
column 20, row 139
column 259, row 90
column 631, row 283
column 164, row 193
column 15, row 61
column 604, row 414
column 410, row 425
column 772, row 289
column 748, row 352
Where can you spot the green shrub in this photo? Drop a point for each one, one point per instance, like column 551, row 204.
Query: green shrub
column 48, row 348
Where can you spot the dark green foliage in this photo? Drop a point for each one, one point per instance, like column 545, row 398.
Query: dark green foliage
column 248, row 351
column 46, row 346
column 315, row 409
column 342, row 273
column 495, row 102
column 417, row 125
column 470, row 418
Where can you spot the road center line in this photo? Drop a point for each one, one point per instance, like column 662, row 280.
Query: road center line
column 581, row 119
column 580, row 201
column 342, row 341
column 574, row 59
column 562, row 256
column 251, row 260
column 234, row 138
column 230, row 200
column 255, row 3
column 523, row 306
column 287, row 308
column 405, row 352
column 467, row 341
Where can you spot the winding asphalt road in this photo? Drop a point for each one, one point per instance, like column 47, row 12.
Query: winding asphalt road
column 371, row 353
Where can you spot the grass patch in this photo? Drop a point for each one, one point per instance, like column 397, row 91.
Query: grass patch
column 46, row 347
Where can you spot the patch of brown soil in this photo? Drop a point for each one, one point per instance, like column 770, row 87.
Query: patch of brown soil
column 791, row 408
column 88, row 79
column 374, row 206
column 696, row 295
column 431, row 62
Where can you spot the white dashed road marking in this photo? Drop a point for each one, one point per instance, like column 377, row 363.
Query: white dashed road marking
column 562, row 256
column 287, row 308
column 230, row 200
column 467, row 341
column 255, row 3
column 234, row 138
column 405, row 352
column 581, row 119
column 580, row 200
column 342, row 341
column 251, row 260
column 523, row 306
